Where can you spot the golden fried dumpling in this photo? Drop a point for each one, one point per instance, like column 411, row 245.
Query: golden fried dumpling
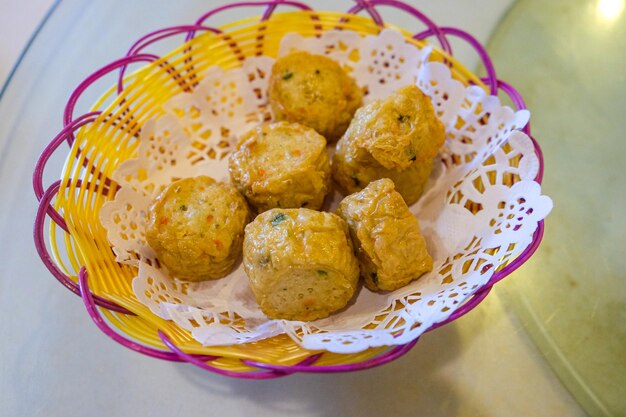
column 315, row 91
column 389, row 246
column 300, row 263
column 196, row 227
column 281, row 165
column 395, row 138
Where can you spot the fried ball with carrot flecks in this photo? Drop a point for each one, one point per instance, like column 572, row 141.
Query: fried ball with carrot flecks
column 196, row 227
column 300, row 263
column 281, row 165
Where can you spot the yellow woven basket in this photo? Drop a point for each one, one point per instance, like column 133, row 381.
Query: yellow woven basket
column 111, row 138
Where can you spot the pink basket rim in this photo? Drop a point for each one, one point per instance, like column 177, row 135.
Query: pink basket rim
column 264, row 370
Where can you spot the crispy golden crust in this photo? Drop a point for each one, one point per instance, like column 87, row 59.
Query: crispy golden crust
column 395, row 138
column 398, row 131
column 281, row 165
column 300, row 263
column 390, row 248
column 351, row 177
column 315, row 91
column 196, row 226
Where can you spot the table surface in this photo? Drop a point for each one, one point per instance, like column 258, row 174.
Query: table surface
column 572, row 295
column 56, row 363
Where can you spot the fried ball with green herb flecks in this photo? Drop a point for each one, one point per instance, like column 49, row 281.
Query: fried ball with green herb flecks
column 196, row 227
column 389, row 245
column 395, row 138
column 281, row 165
column 315, row 91
column 300, row 263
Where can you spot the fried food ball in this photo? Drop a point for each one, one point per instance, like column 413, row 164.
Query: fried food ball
column 315, row 91
column 300, row 263
column 389, row 246
column 395, row 138
column 281, row 165
column 196, row 227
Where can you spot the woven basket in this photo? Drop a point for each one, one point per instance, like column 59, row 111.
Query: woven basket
column 79, row 254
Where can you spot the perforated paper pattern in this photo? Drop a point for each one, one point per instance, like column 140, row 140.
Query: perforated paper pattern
column 480, row 209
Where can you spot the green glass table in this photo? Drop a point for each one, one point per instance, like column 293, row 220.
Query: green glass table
column 568, row 59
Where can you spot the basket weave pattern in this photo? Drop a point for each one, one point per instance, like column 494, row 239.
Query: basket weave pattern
column 78, row 243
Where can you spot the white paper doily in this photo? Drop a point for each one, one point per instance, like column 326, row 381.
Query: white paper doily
column 486, row 163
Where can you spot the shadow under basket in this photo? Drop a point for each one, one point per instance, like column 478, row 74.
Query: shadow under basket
column 78, row 253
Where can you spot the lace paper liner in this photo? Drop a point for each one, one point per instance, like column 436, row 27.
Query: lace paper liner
column 487, row 166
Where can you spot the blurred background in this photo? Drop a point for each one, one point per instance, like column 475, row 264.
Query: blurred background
column 18, row 21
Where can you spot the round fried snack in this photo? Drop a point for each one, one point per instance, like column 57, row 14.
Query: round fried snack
column 300, row 263
column 281, row 165
column 196, row 227
column 390, row 248
column 315, row 91
column 395, row 138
